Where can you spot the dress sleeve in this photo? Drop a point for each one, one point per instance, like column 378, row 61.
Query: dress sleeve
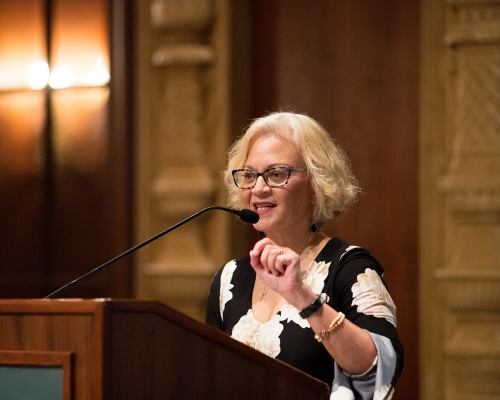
column 374, row 384
column 360, row 292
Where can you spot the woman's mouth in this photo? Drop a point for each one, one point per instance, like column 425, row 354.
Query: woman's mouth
column 261, row 208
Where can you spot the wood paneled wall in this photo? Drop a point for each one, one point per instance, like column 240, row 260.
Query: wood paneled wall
column 65, row 181
column 354, row 67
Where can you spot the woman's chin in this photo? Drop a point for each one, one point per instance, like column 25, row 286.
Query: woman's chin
column 261, row 227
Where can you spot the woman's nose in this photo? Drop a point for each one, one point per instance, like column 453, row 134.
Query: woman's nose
column 261, row 185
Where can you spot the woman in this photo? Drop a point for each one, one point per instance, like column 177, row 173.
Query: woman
column 315, row 302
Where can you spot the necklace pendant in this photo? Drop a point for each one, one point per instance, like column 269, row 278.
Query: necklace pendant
column 263, row 295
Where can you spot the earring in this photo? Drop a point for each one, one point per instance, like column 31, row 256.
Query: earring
column 313, row 228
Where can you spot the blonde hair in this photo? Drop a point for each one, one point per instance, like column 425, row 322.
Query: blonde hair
column 328, row 168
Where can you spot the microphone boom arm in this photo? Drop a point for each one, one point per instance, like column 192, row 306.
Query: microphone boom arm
column 245, row 215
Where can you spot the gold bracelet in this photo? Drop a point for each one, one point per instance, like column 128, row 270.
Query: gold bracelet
column 325, row 334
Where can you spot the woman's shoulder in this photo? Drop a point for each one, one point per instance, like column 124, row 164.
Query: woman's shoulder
column 341, row 253
column 335, row 249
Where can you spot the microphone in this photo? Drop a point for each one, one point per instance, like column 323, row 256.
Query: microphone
column 245, row 215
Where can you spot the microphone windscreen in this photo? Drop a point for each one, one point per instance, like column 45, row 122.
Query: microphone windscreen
column 249, row 216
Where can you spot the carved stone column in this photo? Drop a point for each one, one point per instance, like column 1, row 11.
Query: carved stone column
column 184, row 74
column 461, row 229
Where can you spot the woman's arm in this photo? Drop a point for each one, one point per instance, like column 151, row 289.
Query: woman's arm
column 349, row 344
column 351, row 347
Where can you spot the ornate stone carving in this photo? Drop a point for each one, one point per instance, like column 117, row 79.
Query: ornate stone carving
column 468, row 280
column 182, row 175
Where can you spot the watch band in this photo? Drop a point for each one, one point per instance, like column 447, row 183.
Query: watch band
column 313, row 307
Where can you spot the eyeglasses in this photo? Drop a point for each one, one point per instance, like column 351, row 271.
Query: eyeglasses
column 274, row 177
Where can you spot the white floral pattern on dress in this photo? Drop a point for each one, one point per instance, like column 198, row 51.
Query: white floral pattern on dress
column 372, row 298
column 314, row 277
column 347, row 250
column 262, row 337
column 226, row 285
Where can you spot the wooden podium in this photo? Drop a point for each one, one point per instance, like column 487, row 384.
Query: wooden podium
column 129, row 349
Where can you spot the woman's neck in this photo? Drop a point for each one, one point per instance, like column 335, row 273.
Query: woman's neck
column 300, row 243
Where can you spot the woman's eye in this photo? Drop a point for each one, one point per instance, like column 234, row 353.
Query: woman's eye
column 276, row 174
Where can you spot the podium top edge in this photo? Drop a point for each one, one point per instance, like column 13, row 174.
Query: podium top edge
column 78, row 305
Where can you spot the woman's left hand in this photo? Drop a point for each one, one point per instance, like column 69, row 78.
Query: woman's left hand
column 278, row 267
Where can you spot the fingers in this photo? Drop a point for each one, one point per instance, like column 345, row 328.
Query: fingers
column 272, row 260
column 267, row 256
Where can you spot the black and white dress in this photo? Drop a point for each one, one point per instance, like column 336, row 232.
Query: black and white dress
column 352, row 281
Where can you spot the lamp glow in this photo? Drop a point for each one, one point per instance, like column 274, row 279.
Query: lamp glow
column 61, row 77
column 99, row 75
column 38, row 75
